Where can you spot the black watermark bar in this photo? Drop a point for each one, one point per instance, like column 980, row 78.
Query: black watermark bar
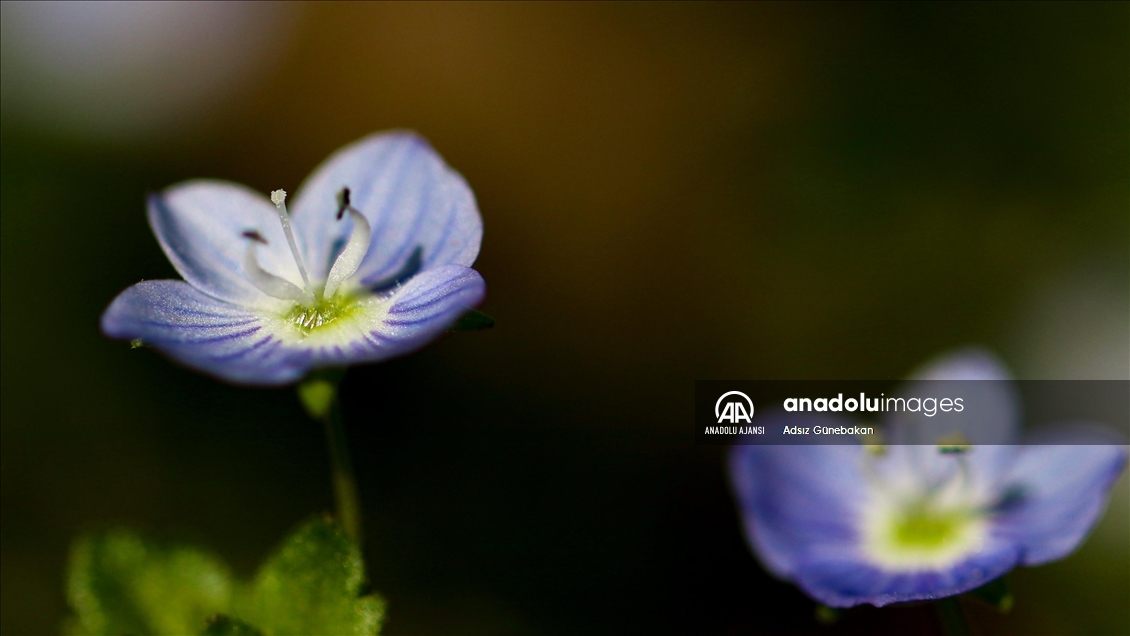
column 947, row 413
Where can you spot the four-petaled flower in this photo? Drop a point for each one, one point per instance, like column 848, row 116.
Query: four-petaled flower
column 853, row 524
column 374, row 262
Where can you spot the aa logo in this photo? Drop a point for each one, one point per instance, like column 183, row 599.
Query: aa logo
column 739, row 408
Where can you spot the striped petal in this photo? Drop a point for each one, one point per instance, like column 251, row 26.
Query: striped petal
column 411, row 198
column 204, row 333
column 200, row 226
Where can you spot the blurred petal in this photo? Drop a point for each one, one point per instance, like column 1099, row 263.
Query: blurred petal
column 991, row 406
column 805, row 510
column 1058, row 493
column 204, row 333
column 795, row 500
column 200, row 226
column 410, row 197
column 842, row 579
column 970, row 363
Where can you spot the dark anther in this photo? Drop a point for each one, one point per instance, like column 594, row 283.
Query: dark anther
column 254, row 236
column 342, row 202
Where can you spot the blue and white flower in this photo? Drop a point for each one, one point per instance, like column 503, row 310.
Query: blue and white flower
column 854, row 524
column 374, row 262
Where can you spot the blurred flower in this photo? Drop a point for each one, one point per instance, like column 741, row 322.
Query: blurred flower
column 128, row 70
column 914, row 521
column 376, row 263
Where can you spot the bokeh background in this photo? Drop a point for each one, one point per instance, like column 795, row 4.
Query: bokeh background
column 670, row 192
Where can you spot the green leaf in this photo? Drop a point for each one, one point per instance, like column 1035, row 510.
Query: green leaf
column 220, row 625
column 311, row 585
column 996, row 593
column 121, row 583
column 473, row 321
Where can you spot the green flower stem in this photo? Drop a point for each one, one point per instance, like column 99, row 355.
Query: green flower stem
column 345, row 485
column 319, row 395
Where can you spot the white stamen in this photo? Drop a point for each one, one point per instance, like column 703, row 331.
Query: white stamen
column 350, row 258
column 278, row 197
column 270, row 284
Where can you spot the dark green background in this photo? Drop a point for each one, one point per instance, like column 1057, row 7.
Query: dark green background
column 669, row 193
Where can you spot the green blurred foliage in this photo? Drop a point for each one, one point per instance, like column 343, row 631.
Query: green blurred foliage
column 122, row 583
column 221, row 625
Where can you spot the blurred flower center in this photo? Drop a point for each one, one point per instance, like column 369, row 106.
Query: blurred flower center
column 930, row 526
column 925, row 528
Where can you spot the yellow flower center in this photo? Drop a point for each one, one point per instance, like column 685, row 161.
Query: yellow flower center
column 323, row 312
column 927, row 528
column 923, row 536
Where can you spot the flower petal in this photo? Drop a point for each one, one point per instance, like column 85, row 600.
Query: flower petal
column 804, row 511
column 845, row 580
column 410, row 197
column 389, row 326
column 969, row 363
column 844, row 573
column 1059, row 492
column 798, row 499
column 200, row 226
column 204, row 333
column 991, row 405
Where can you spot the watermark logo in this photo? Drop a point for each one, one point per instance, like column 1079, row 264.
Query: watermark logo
column 734, row 410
